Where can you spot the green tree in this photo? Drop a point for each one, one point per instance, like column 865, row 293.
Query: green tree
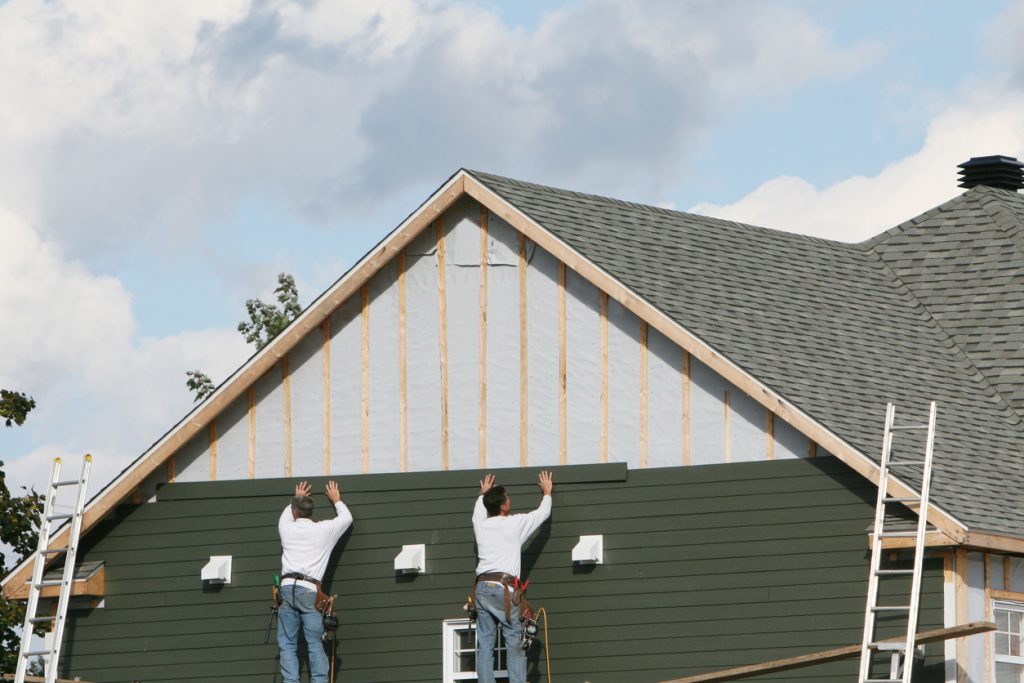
column 266, row 321
column 19, row 530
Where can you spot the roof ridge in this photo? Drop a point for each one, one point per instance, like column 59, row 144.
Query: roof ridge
column 900, row 228
column 659, row 210
column 1003, row 217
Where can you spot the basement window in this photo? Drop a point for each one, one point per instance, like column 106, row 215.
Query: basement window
column 1009, row 650
column 460, row 652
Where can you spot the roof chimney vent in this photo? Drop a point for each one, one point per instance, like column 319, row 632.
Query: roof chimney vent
column 1005, row 173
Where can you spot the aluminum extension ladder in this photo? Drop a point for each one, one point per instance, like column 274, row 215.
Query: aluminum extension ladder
column 51, row 652
column 901, row 652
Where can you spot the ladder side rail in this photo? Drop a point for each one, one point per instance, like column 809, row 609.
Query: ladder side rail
column 876, row 546
column 922, row 523
column 32, row 603
column 69, row 572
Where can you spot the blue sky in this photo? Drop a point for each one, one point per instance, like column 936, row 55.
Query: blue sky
column 166, row 161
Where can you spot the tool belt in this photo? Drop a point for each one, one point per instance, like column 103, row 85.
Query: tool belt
column 323, row 601
column 516, row 596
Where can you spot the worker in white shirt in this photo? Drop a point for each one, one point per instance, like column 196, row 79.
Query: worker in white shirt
column 499, row 540
column 306, row 547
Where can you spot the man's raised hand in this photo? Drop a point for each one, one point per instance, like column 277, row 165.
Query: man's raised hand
column 303, row 489
column 486, row 483
column 545, row 483
column 333, row 492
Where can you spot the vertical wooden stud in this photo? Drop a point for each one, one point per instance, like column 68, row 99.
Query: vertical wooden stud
column 812, row 448
column 961, row 614
column 213, row 450
column 524, row 376
column 687, row 450
column 364, row 401
column 252, row 432
column 442, row 302
column 727, row 440
column 604, row 376
column 484, row 238
column 1006, row 573
column 325, row 369
column 563, row 450
column 989, row 617
column 403, row 371
column 643, row 394
column 171, row 474
column 769, row 434
column 286, row 387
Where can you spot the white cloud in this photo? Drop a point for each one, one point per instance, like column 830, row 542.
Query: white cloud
column 990, row 121
column 73, row 346
column 147, row 119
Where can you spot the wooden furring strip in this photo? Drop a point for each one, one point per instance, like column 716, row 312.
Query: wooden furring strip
column 727, row 442
column 325, row 351
column 769, row 434
column 484, row 258
column 213, row 450
column 252, row 432
column 563, row 418
column 961, row 613
column 1006, row 572
column 364, row 399
column 988, row 617
column 403, row 370
column 687, row 420
column 604, row 376
column 812, row 448
column 171, row 474
column 524, row 375
column 442, row 304
column 286, row 385
column 643, row 394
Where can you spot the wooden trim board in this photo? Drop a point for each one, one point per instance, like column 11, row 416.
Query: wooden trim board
column 92, row 586
column 835, row 654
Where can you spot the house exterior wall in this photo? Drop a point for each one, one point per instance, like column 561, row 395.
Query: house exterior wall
column 427, row 368
column 705, row 568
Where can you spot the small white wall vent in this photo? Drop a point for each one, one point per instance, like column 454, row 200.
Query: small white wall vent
column 590, row 550
column 412, row 559
column 217, row 570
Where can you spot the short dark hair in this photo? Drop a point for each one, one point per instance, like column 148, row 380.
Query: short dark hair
column 494, row 499
column 303, row 506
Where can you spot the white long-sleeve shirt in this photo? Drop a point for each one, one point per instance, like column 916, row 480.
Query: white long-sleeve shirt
column 499, row 540
column 306, row 545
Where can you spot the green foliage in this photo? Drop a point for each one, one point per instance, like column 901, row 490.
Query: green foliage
column 267, row 320
column 19, row 529
column 14, row 407
column 199, row 383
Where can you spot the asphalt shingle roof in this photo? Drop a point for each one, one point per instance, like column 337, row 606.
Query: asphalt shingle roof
column 930, row 310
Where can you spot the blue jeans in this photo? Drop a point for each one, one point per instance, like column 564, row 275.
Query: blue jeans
column 490, row 615
column 298, row 609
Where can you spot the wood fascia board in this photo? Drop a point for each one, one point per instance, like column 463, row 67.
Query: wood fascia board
column 994, row 542
column 91, row 586
column 255, row 367
column 698, row 348
column 932, row 539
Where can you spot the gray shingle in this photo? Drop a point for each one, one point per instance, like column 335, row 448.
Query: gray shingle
column 930, row 310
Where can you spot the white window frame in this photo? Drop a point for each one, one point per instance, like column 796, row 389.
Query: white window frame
column 1008, row 606
column 450, row 642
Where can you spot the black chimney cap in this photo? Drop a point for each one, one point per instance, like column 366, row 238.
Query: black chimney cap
column 998, row 171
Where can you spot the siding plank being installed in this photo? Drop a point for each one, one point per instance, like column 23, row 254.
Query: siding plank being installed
column 705, row 567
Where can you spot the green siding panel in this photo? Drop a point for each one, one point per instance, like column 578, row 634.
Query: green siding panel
column 706, row 567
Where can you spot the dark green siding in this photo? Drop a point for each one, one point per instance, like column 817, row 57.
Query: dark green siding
column 706, row 567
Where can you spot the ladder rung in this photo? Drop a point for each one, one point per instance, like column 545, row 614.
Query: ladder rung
column 891, row 608
column 53, row 551
column 893, row 572
column 68, row 482
column 888, row 646
column 54, row 518
column 42, row 620
column 897, row 534
column 903, row 427
column 48, row 582
column 913, row 499
column 36, row 653
column 906, row 462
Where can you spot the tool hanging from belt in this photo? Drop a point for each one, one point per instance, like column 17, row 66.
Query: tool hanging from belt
column 276, row 591
column 515, row 594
